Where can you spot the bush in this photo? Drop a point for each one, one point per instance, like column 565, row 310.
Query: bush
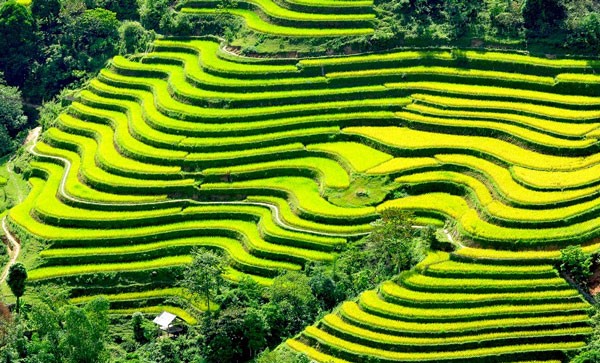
column 12, row 117
column 282, row 355
column 134, row 38
column 586, row 34
column 152, row 11
column 576, row 263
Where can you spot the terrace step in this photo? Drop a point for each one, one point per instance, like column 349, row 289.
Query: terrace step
column 194, row 146
column 407, row 327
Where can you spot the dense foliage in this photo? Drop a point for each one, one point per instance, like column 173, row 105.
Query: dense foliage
column 393, row 246
column 61, row 43
column 204, row 277
column 251, row 318
column 576, row 263
column 571, row 24
column 591, row 353
column 53, row 331
column 12, row 117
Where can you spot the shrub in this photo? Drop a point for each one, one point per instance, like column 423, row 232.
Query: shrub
column 134, row 38
column 576, row 263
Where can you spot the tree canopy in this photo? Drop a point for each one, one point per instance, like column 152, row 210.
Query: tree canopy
column 12, row 117
column 17, row 28
column 17, row 274
column 204, row 276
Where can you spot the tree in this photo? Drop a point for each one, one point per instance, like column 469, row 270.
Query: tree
column 152, row 12
column 125, row 9
column 137, row 320
column 576, row 263
column 323, row 287
column 86, row 332
column 163, row 350
column 462, row 15
column 224, row 335
column 542, row 17
column 17, row 40
column 12, row 117
column 395, row 243
column 17, row 275
column 204, row 276
column 71, row 9
column 45, row 319
column 92, row 38
column 292, row 305
column 46, row 13
column 44, row 9
column 53, row 331
column 255, row 330
column 235, row 335
column 134, row 38
column 247, row 293
column 50, row 110
column 282, row 354
column 586, row 33
column 11, row 336
column 591, row 352
column 83, row 43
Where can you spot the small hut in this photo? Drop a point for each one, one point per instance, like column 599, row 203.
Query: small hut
column 169, row 323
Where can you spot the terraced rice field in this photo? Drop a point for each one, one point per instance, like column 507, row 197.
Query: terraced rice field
column 295, row 18
column 450, row 309
column 188, row 146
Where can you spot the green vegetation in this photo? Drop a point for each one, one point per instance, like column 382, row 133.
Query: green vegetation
column 17, row 274
column 576, row 263
column 204, row 275
column 150, row 141
column 399, row 323
column 12, row 118
column 403, row 205
column 363, row 190
column 589, row 354
column 63, row 333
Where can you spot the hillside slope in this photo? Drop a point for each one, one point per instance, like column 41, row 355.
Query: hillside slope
column 190, row 146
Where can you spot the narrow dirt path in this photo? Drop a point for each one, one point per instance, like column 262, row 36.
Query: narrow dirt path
column 13, row 245
column 31, row 137
column 13, row 251
column 13, row 183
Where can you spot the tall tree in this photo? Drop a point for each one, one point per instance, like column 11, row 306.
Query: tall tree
column 204, row 276
column 17, row 274
column 17, row 42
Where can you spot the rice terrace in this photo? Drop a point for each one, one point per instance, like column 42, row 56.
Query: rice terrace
column 324, row 181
